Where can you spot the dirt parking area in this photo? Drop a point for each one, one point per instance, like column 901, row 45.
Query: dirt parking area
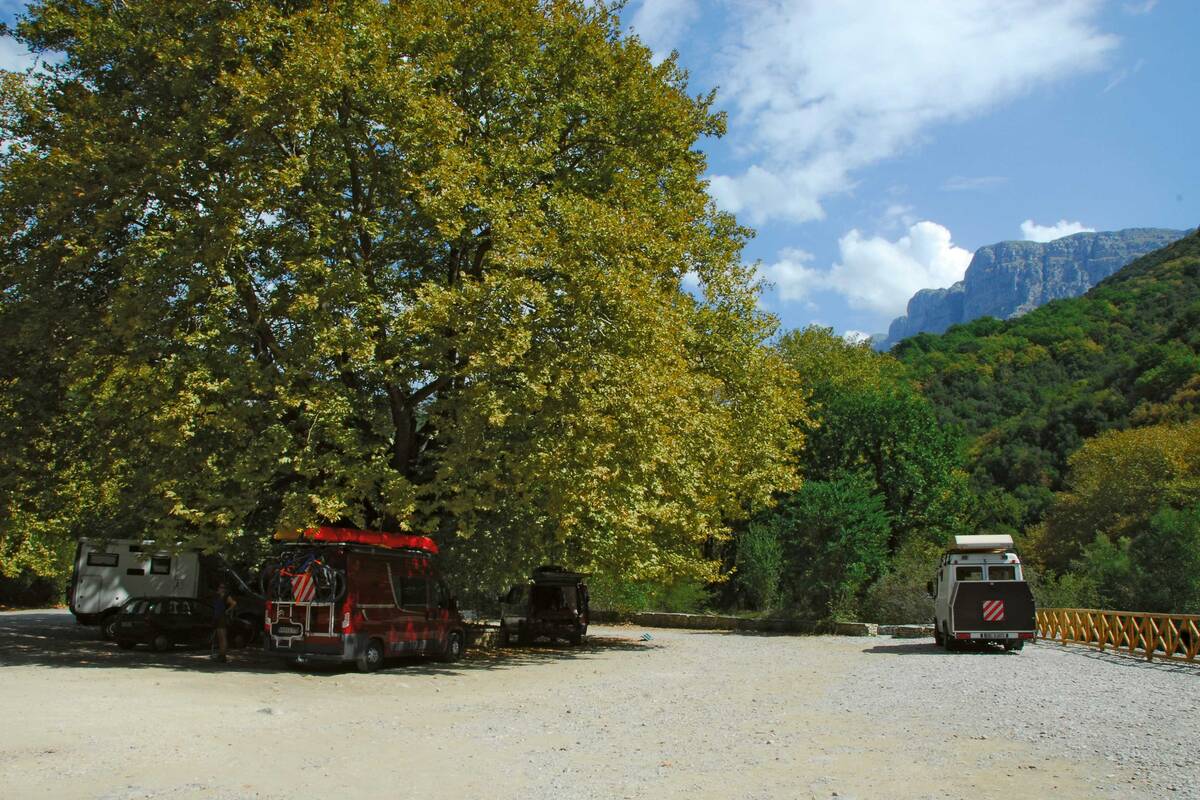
column 684, row 714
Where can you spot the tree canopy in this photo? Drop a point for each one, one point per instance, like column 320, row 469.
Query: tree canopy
column 412, row 264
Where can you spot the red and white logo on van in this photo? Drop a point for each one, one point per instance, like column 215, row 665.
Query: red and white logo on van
column 303, row 589
column 993, row 610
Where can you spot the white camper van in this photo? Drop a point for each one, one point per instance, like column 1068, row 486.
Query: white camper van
column 980, row 595
column 107, row 573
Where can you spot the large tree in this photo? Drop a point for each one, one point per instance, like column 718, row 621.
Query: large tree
column 411, row 264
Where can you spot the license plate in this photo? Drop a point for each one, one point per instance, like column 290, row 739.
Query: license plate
column 286, row 629
column 990, row 635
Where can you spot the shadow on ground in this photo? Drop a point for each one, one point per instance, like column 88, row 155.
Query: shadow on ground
column 53, row 639
column 1127, row 660
column 927, row 647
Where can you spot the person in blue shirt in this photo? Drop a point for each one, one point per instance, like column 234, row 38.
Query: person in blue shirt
column 221, row 603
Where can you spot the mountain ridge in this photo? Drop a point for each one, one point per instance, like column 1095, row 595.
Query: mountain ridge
column 1012, row 277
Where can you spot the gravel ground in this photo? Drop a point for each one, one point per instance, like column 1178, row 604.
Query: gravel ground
column 685, row 714
column 1139, row 721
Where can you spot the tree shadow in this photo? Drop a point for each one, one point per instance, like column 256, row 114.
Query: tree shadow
column 53, row 639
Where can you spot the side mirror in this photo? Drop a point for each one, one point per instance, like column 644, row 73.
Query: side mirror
column 929, row 588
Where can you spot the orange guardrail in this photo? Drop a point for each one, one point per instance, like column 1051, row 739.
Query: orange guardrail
column 1170, row 637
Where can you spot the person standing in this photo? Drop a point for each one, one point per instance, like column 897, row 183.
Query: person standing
column 222, row 602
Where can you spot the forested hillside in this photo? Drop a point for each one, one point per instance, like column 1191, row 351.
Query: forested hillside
column 1029, row 393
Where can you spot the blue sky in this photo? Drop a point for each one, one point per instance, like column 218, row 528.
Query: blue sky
column 875, row 144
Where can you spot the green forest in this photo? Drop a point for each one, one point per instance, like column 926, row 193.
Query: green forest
column 425, row 267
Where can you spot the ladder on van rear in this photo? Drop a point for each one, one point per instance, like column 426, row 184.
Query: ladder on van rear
column 292, row 621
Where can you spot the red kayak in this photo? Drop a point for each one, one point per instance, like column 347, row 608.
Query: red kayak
column 403, row 541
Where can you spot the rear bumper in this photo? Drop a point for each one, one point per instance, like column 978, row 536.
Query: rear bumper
column 554, row 627
column 994, row 636
column 343, row 648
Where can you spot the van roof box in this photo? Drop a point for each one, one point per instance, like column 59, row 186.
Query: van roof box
column 552, row 573
column 992, row 543
column 392, row 541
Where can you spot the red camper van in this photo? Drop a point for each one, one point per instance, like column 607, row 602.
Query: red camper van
column 337, row 595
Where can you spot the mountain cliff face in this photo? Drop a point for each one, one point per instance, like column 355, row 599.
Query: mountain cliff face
column 1010, row 278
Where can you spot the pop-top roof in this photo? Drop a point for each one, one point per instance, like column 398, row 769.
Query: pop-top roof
column 991, row 543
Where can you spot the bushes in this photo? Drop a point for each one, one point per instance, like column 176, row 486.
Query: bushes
column 760, row 565
column 900, row 596
column 627, row 597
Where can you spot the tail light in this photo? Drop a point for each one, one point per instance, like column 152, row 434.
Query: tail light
column 962, row 636
column 1026, row 635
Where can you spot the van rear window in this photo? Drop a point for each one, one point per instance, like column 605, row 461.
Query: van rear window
column 102, row 559
column 969, row 573
column 1005, row 572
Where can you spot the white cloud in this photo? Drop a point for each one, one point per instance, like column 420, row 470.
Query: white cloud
column 874, row 273
column 856, row 337
column 662, row 23
column 821, row 89
column 1121, row 75
column 1142, row 7
column 1033, row 232
column 14, row 56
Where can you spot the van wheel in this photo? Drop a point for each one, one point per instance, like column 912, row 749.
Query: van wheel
column 950, row 643
column 937, row 636
column 575, row 638
column 161, row 643
column 1018, row 645
column 371, row 657
column 454, row 646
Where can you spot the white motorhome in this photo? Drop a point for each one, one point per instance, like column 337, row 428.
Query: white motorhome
column 980, row 595
column 108, row 573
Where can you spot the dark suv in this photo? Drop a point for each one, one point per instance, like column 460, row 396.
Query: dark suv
column 553, row 604
column 163, row 622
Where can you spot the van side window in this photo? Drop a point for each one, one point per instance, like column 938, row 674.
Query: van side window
column 973, row 573
column 160, row 565
column 999, row 572
column 102, row 559
column 414, row 592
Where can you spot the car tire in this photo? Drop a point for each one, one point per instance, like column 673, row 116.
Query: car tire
column 1016, row 646
column 523, row 636
column 125, row 645
column 108, row 627
column 161, row 643
column 576, row 638
column 371, row 658
column 455, row 646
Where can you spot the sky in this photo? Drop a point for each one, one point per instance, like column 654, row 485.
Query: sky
column 874, row 145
